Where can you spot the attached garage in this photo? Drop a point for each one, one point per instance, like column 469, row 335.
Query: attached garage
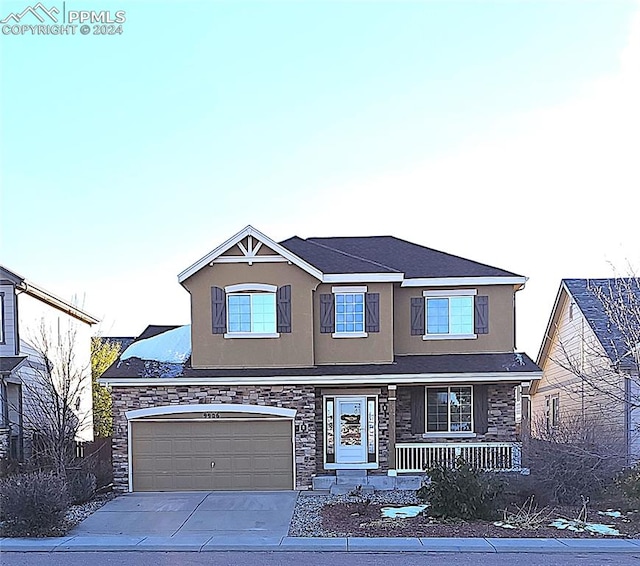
column 221, row 447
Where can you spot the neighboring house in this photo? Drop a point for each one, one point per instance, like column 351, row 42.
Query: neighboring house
column 589, row 386
column 306, row 357
column 28, row 313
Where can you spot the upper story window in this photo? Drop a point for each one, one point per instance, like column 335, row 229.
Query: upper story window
column 449, row 314
column 349, row 312
column 251, row 310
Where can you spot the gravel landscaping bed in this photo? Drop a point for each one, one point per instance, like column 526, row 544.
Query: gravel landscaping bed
column 354, row 516
column 307, row 516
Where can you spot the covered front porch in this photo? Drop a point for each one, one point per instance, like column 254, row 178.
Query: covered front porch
column 386, row 437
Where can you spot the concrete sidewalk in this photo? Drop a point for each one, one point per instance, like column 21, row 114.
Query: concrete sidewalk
column 208, row 543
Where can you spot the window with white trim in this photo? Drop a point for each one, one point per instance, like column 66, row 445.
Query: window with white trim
column 251, row 310
column 349, row 313
column 449, row 409
column 449, row 314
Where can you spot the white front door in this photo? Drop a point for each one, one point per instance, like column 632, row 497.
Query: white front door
column 350, row 430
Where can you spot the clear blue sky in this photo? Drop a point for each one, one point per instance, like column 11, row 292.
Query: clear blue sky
column 505, row 132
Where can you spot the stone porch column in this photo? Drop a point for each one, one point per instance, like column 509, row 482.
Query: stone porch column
column 392, row 390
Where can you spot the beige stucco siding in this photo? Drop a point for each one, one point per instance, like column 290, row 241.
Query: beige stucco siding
column 377, row 347
column 501, row 324
column 290, row 349
column 574, row 345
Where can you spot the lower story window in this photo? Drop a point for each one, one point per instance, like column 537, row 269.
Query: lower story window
column 552, row 412
column 449, row 409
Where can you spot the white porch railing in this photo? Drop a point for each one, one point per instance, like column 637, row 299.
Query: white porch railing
column 489, row 456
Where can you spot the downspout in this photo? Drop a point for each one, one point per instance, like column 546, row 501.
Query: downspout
column 627, row 419
column 582, row 406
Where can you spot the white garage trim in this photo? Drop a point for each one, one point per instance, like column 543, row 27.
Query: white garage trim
column 215, row 407
column 211, row 408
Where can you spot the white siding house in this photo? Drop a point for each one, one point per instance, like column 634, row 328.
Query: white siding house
column 587, row 379
column 34, row 322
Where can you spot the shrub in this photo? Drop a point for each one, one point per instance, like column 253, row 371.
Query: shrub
column 578, row 458
column 628, row 482
column 570, row 470
column 103, row 471
column 81, row 485
column 461, row 492
column 33, row 503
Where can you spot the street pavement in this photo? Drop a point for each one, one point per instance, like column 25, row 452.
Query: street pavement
column 258, row 521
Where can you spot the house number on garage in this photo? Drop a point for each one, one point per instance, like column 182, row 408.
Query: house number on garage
column 211, row 415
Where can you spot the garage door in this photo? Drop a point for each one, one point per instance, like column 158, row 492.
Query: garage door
column 243, row 454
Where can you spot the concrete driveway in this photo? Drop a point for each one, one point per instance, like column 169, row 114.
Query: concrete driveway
column 194, row 514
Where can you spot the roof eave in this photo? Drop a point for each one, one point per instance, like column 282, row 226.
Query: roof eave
column 57, row 303
column 400, row 379
column 517, row 281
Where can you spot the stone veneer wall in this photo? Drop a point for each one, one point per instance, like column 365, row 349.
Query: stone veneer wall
column 383, row 433
column 300, row 398
column 501, row 419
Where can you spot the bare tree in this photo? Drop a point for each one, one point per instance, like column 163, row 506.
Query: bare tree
column 57, row 381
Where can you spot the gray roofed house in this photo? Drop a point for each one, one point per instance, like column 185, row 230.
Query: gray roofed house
column 589, row 358
column 311, row 358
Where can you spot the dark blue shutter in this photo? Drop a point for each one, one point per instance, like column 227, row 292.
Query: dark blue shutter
column 417, row 316
column 283, row 300
column 218, row 311
column 481, row 315
column 417, row 410
column 480, row 409
column 327, row 314
column 372, row 317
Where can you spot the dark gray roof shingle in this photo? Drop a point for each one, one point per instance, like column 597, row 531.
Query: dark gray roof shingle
column 9, row 363
column 626, row 291
column 386, row 254
column 415, row 364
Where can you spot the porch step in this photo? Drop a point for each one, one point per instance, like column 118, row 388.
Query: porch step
column 373, row 482
column 347, row 489
column 351, row 477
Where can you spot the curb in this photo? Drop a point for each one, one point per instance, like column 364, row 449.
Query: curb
column 207, row 543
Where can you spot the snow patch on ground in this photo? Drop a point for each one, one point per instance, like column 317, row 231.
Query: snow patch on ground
column 581, row 527
column 172, row 347
column 611, row 513
column 403, row 512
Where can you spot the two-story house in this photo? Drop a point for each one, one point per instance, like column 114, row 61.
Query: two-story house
column 312, row 356
column 29, row 316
